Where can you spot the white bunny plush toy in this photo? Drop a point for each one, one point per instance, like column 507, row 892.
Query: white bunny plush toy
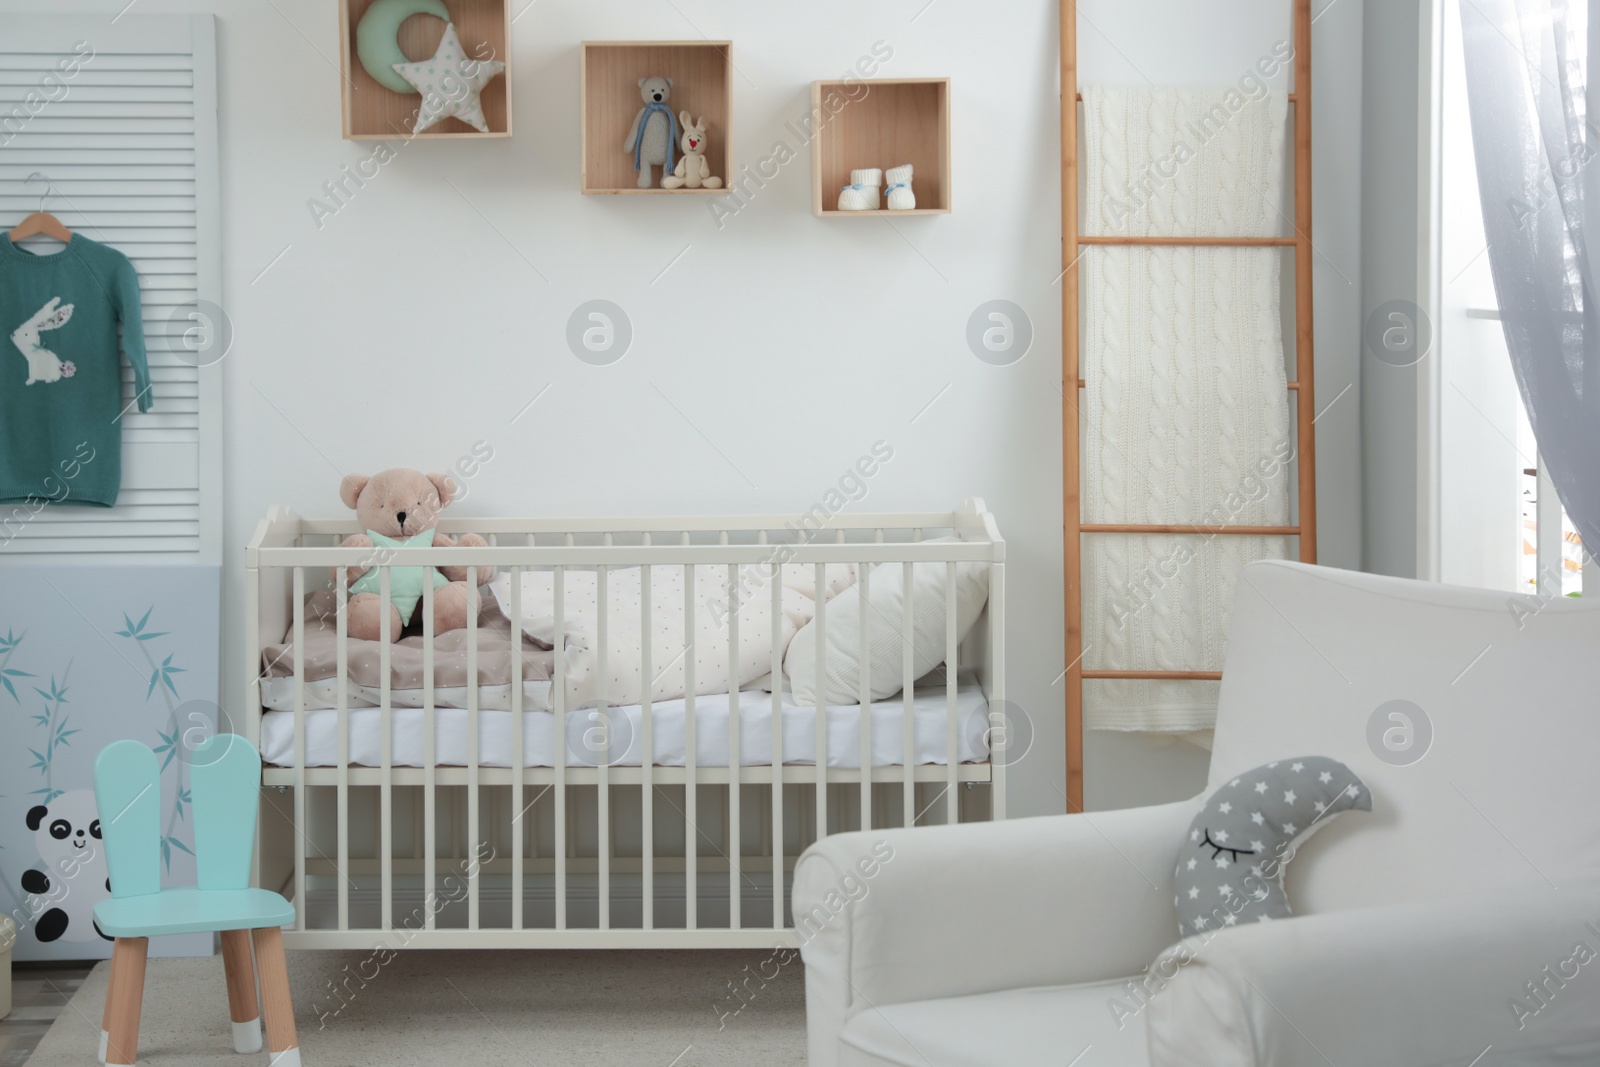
column 692, row 171
column 43, row 364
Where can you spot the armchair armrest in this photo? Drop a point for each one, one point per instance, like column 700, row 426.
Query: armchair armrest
column 1423, row 983
column 892, row 916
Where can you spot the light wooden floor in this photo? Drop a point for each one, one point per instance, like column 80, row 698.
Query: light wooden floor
column 39, row 993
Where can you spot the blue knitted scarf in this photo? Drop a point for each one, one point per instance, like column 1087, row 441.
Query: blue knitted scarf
column 672, row 134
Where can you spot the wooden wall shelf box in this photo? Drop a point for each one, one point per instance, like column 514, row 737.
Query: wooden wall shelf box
column 898, row 121
column 702, row 84
column 373, row 113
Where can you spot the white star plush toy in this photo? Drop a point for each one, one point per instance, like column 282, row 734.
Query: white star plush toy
column 450, row 83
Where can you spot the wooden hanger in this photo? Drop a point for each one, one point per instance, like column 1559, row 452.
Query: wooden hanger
column 41, row 221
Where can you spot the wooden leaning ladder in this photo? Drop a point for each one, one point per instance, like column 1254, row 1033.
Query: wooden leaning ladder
column 1072, row 245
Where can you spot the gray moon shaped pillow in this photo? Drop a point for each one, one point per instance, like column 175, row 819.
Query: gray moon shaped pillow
column 1231, row 868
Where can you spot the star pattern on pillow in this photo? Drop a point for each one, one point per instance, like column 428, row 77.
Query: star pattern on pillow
column 1232, row 867
column 450, row 82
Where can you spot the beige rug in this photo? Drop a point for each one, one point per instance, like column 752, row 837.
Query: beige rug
column 450, row 1009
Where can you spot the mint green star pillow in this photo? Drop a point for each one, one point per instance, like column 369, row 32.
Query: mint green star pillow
column 405, row 583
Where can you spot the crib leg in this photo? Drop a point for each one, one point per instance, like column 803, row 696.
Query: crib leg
column 125, row 998
column 241, row 974
column 283, row 1046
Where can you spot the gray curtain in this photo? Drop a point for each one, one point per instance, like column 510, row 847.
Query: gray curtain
column 1534, row 127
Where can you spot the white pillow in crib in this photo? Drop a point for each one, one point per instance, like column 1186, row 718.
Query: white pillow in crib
column 885, row 614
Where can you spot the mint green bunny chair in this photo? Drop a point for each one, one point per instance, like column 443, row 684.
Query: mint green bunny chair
column 225, row 779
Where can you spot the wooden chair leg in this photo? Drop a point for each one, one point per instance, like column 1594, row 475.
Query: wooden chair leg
column 125, row 998
column 241, row 971
column 105, row 1021
column 283, row 1046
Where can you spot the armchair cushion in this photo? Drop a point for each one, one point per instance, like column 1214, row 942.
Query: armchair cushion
column 1434, row 982
column 1046, row 1025
column 1240, row 843
column 953, row 911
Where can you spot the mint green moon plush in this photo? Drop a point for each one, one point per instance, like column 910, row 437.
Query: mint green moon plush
column 378, row 38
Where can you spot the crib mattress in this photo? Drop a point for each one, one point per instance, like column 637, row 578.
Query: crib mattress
column 585, row 729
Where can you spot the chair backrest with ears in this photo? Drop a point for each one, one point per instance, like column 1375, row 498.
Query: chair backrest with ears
column 225, row 782
column 127, row 792
column 1472, row 715
column 225, row 774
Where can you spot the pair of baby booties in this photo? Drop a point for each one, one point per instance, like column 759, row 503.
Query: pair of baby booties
column 863, row 192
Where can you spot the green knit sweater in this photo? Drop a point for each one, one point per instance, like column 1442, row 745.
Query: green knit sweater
column 61, row 403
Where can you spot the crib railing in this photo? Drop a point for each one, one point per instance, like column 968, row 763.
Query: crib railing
column 559, row 831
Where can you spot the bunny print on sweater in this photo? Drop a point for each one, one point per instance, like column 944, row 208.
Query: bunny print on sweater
column 43, row 364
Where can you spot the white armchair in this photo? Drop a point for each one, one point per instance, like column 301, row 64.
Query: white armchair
column 1457, row 923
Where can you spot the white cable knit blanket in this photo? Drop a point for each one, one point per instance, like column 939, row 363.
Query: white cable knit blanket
column 1186, row 409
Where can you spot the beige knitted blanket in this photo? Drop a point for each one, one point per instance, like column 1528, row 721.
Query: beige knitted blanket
column 1186, row 410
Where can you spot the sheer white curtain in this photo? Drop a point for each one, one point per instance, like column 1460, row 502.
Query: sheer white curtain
column 1538, row 155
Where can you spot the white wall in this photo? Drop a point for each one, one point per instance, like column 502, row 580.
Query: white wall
column 423, row 316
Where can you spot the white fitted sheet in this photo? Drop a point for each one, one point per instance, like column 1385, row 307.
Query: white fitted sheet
column 277, row 694
column 627, row 740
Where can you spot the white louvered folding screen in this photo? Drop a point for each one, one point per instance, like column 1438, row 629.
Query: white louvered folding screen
column 128, row 140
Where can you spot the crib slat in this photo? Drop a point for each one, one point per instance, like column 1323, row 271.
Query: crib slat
column 559, row 702
column 474, row 836
column 863, row 653
column 821, row 623
column 602, row 736
column 518, row 756
column 300, row 823
column 342, row 687
column 691, row 825
column 735, row 752
column 951, row 667
column 777, row 749
column 907, row 682
column 647, row 759
column 386, row 788
column 998, row 758
column 430, row 829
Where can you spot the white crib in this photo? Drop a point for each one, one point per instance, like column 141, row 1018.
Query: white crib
column 603, row 855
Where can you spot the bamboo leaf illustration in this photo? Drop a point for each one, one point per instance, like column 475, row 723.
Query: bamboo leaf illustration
column 135, row 630
column 169, row 745
column 163, row 676
column 167, row 845
column 8, row 674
